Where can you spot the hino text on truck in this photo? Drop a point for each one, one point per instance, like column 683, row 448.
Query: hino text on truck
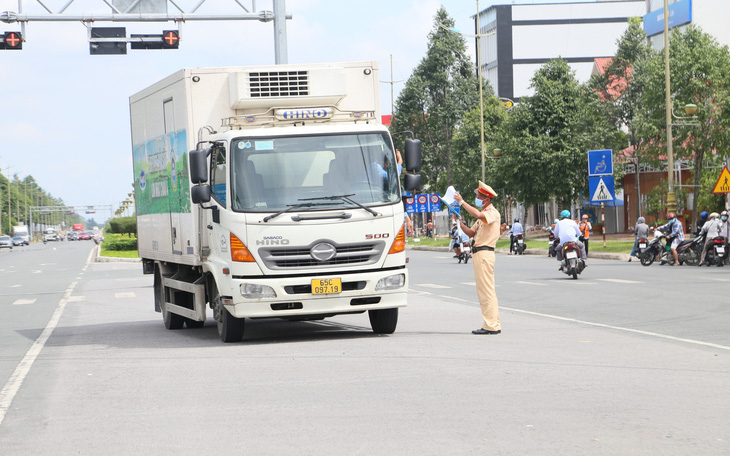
column 270, row 192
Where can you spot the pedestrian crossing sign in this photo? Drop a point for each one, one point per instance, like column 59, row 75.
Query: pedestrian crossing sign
column 601, row 189
column 723, row 182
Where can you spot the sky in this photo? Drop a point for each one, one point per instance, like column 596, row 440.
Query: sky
column 65, row 113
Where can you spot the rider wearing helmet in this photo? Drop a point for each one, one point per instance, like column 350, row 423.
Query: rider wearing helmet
column 701, row 222
column 725, row 230
column 514, row 231
column 677, row 234
column 710, row 230
column 567, row 231
column 585, row 228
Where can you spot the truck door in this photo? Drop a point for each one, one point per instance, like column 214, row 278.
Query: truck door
column 174, row 195
column 218, row 240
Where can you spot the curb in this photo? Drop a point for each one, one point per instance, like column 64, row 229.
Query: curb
column 101, row 259
column 591, row 254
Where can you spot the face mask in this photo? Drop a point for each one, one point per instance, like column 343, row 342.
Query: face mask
column 478, row 202
column 723, row 218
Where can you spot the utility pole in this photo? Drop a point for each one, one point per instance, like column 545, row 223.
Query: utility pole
column 391, row 82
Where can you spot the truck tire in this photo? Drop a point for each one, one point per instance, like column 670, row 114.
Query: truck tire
column 230, row 328
column 171, row 320
column 383, row 321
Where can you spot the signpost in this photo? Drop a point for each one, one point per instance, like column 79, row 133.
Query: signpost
column 600, row 181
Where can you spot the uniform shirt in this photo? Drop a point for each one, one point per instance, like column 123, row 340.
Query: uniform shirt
column 567, row 231
column 487, row 233
column 725, row 229
column 517, row 229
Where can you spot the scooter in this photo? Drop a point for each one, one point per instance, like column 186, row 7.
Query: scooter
column 462, row 249
column 552, row 252
column 688, row 251
column 572, row 263
column 717, row 253
column 518, row 244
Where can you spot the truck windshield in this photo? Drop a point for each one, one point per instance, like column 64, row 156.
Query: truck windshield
column 274, row 173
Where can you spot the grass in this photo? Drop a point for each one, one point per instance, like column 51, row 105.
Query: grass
column 118, row 253
column 596, row 244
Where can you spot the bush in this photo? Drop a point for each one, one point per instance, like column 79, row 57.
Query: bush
column 123, row 225
column 120, row 242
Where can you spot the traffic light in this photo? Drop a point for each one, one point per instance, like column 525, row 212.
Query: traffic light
column 12, row 40
column 170, row 39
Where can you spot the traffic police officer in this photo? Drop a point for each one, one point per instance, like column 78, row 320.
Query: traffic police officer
column 485, row 232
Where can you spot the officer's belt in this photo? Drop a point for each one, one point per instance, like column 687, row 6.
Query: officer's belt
column 482, row 247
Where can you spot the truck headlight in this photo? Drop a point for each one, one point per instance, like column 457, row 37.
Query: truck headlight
column 256, row 291
column 391, row 282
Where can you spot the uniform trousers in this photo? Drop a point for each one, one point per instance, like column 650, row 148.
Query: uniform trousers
column 483, row 263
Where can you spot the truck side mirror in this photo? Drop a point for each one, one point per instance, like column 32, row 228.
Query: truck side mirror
column 200, row 193
column 413, row 155
column 412, row 182
column 198, row 166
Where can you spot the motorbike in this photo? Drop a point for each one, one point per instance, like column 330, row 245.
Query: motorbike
column 552, row 246
column 518, row 244
column 572, row 263
column 462, row 249
column 717, row 253
column 688, row 251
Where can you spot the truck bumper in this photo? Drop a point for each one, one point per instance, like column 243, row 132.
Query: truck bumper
column 294, row 296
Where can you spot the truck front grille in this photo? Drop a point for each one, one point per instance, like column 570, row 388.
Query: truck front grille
column 291, row 258
column 267, row 84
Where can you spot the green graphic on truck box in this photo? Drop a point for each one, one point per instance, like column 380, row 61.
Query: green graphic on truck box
column 161, row 177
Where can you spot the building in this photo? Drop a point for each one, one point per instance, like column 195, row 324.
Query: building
column 521, row 38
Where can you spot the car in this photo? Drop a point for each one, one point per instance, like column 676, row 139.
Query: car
column 6, row 242
column 20, row 240
column 84, row 236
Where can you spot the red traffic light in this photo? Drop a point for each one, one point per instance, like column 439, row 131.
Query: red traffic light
column 12, row 40
column 170, row 39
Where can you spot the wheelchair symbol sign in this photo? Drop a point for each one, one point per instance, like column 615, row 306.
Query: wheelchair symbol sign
column 600, row 162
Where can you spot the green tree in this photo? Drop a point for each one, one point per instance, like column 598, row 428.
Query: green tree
column 545, row 139
column 700, row 74
column 440, row 91
column 620, row 93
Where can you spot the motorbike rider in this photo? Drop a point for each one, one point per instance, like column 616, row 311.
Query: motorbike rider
column 641, row 232
column 725, row 231
column 710, row 230
column 585, row 228
column 456, row 235
column 701, row 222
column 567, row 231
column 677, row 234
column 514, row 231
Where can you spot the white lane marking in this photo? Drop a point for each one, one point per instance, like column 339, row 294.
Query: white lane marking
column 531, row 283
column 37, row 272
column 47, row 264
column 454, row 298
column 125, row 294
column 15, row 286
column 11, row 388
column 19, row 302
column 473, row 284
column 719, row 280
column 432, row 285
column 619, row 281
column 619, row 328
column 76, row 298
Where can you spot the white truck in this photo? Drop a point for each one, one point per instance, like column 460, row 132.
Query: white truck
column 270, row 192
column 22, row 231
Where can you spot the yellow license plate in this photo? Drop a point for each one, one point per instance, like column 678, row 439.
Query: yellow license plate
column 326, row 286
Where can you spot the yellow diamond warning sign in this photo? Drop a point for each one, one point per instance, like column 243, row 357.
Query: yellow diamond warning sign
column 723, row 183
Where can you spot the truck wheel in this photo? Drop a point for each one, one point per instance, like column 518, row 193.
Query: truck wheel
column 193, row 324
column 230, row 328
column 383, row 321
column 171, row 320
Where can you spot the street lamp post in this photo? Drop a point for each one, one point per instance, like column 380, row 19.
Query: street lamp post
column 671, row 201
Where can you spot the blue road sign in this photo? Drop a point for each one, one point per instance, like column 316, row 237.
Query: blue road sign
column 600, row 162
column 410, row 204
column 601, row 189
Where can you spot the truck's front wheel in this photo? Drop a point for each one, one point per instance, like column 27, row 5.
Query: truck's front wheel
column 383, row 321
column 230, row 328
